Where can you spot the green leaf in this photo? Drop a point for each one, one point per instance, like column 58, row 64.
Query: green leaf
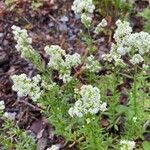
column 146, row 145
column 121, row 109
column 130, row 113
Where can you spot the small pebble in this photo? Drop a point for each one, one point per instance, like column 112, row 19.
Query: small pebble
column 63, row 27
column 64, row 19
column 10, row 116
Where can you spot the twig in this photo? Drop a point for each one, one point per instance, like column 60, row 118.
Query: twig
column 25, row 102
column 54, row 19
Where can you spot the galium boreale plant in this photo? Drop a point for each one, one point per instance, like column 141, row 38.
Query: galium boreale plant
column 85, row 8
column 59, row 99
column 127, row 145
column 135, row 47
column 94, row 66
column 73, row 95
column 25, row 48
column 56, row 99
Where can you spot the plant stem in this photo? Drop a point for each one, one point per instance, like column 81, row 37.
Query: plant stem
column 135, row 92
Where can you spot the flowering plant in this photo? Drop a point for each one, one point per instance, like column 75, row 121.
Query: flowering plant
column 90, row 103
column 81, row 95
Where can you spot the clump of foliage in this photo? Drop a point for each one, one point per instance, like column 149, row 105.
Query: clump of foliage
column 114, row 9
column 35, row 4
column 146, row 15
column 12, row 137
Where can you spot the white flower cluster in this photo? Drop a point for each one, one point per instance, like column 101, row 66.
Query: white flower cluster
column 139, row 41
column 24, row 46
column 86, row 19
column 56, row 62
column 72, row 60
column 123, row 29
column 145, row 67
column 127, row 145
column 136, row 59
column 85, row 8
column 134, row 119
column 2, row 105
column 92, row 65
column 53, row 147
column 25, row 86
column 80, row 6
column 62, row 62
column 114, row 55
column 23, row 41
column 100, row 26
column 47, row 86
column 128, row 42
column 89, row 102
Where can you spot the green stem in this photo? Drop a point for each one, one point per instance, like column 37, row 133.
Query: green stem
column 135, row 93
column 92, row 136
column 115, row 95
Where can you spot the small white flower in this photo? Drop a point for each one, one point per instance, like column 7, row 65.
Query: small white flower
column 103, row 23
column 36, row 79
column 86, row 19
column 80, row 6
column 56, row 62
column 76, row 91
column 134, row 119
column 54, row 147
column 92, row 65
column 100, row 26
column 65, row 77
column 145, row 67
column 2, row 105
column 88, row 120
column 127, row 145
column 72, row 60
column 70, row 112
column 85, row 8
column 23, row 41
column 47, row 86
column 103, row 107
column 136, row 59
column 122, row 50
